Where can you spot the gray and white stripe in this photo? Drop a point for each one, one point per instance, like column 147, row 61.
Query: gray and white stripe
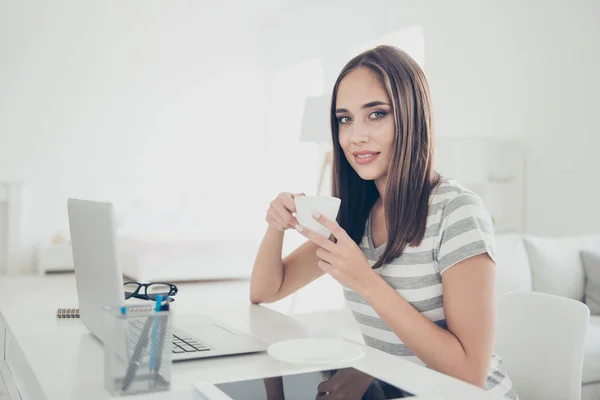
column 458, row 227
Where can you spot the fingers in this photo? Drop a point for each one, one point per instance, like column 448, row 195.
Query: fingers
column 322, row 388
column 325, row 256
column 275, row 223
column 288, row 200
column 288, row 220
column 317, row 239
column 281, row 213
column 288, row 203
column 328, row 386
column 326, row 267
column 333, row 227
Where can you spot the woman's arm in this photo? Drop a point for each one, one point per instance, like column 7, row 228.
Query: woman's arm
column 465, row 349
column 274, row 278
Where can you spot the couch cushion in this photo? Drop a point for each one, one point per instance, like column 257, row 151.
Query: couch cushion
column 590, row 391
column 556, row 266
column 591, row 352
column 591, row 267
column 512, row 265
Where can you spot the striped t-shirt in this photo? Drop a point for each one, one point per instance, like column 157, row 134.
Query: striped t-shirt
column 458, row 227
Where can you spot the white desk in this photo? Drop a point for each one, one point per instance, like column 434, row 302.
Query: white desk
column 46, row 358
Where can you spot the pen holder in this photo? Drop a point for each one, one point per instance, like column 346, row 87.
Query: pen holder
column 137, row 350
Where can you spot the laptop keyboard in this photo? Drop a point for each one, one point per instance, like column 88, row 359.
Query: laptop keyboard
column 182, row 342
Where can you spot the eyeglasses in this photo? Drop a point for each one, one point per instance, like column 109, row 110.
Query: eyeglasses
column 149, row 291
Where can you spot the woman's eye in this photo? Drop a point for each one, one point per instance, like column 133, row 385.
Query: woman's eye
column 377, row 114
column 344, row 119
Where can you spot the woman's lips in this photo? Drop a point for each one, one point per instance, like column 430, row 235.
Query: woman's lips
column 365, row 158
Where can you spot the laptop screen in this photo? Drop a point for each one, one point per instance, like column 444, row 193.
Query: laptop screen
column 348, row 383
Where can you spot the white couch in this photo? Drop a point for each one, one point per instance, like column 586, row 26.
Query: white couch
column 525, row 263
column 552, row 265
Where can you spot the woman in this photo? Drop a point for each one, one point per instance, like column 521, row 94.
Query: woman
column 413, row 250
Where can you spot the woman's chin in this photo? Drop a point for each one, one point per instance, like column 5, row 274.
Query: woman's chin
column 368, row 175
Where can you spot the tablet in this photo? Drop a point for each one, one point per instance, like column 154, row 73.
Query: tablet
column 347, row 383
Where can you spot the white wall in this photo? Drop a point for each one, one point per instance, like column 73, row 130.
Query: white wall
column 526, row 70
column 156, row 106
column 305, row 62
column 154, row 103
column 499, row 69
column 496, row 70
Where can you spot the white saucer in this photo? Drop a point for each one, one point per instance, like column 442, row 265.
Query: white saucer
column 316, row 351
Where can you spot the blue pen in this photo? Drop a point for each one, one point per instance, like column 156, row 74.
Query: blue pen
column 155, row 338
column 161, row 340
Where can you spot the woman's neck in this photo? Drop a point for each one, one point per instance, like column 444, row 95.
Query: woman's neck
column 381, row 184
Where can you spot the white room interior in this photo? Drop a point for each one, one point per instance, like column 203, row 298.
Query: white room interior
column 188, row 117
column 120, row 102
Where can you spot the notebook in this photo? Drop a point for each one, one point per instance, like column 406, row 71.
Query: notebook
column 74, row 312
column 67, row 313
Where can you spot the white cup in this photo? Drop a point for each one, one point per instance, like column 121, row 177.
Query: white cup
column 324, row 205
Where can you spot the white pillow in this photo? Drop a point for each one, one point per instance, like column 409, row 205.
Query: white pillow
column 556, row 264
column 513, row 272
column 591, row 266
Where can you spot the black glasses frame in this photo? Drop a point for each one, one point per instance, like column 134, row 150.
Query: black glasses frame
column 144, row 296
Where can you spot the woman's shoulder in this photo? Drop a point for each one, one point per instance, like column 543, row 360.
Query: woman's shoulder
column 450, row 195
column 463, row 224
column 449, row 188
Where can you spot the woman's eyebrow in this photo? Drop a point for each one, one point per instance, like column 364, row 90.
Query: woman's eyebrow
column 367, row 105
column 375, row 104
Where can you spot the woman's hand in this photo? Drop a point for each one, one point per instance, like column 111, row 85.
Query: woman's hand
column 346, row 384
column 343, row 260
column 281, row 212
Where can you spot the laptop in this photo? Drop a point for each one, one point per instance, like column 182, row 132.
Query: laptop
column 100, row 283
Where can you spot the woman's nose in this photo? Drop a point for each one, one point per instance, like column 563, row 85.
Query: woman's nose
column 359, row 135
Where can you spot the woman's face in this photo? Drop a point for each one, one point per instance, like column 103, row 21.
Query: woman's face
column 365, row 123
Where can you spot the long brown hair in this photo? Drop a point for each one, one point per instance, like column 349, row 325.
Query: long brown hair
column 410, row 172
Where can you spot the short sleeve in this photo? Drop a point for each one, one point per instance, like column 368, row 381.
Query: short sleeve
column 466, row 230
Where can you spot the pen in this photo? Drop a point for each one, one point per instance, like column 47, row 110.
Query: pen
column 155, row 327
column 137, row 353
column 161, row 337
